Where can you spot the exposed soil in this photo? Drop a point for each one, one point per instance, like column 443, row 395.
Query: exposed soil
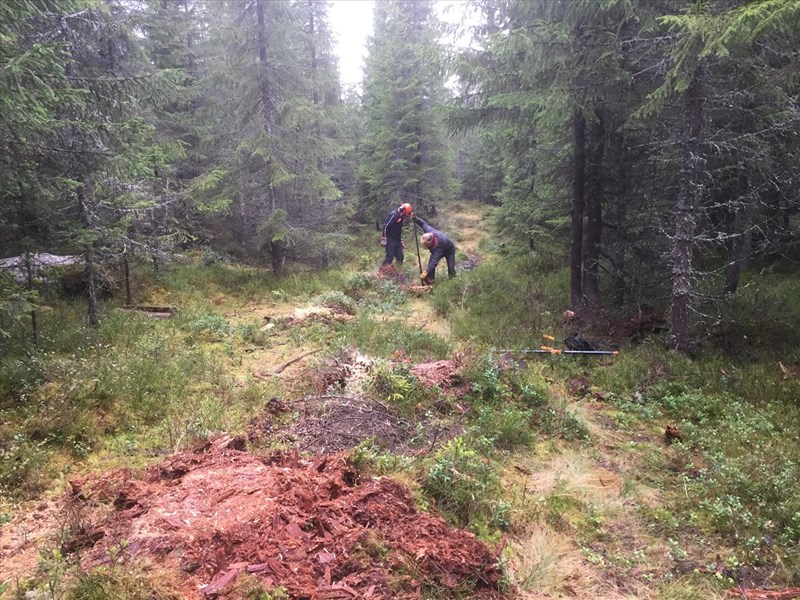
column 316, row 527
column 392, row 273
column 330, row 424
column 472, row 262
column 444, row 374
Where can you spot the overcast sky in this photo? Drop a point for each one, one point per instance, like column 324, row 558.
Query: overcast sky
column 351, row 21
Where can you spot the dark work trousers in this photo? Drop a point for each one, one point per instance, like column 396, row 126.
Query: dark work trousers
column 394, row 249
column 446, row 252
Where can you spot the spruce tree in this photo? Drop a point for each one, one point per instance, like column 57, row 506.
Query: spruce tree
column 85, row 163
column 714, row 54
column 273, row 94
column 403, row 156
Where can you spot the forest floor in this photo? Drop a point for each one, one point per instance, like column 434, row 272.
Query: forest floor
column 280, row 504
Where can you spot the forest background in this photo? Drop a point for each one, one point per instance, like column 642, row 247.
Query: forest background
column 639, row 160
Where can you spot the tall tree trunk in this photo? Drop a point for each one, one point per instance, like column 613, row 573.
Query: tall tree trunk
column 620, row 210
column 34, row 318
column 263, row 74
column 594, row 211
column 91, row 288
column 685, row 217
column 127, row 268
column 278, row 257
column 739, row 252
column 578, row 185
column 89, row 270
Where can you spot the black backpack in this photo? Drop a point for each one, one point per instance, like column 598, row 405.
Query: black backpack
column 578, row 342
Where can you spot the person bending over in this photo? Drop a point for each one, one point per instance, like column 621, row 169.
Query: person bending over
column 440, row 246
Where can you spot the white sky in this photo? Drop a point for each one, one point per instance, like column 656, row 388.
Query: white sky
column 351, row 21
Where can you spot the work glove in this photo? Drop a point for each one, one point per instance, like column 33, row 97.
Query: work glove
column 384, row 241
column 423, row 275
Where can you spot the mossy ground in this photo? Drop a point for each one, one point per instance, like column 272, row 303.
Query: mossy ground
column 565, row 459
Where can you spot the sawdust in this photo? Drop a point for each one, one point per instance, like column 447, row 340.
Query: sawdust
column 32, row 527
column 316, row 527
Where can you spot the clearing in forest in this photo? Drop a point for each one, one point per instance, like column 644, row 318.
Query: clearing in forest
column 349, row 476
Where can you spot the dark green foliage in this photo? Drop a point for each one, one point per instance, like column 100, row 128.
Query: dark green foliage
column 84, row 155
column 394, row 385
column 403, row 156
column 461, row 481
column 514, row 409
column 624, row 69
column 508, row 426
column 273, row 129
column 15, row 304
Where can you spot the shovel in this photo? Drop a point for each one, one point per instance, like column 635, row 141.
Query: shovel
column 419, row 258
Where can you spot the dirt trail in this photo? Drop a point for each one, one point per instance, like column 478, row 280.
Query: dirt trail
column 317, row 528
column 465, row 223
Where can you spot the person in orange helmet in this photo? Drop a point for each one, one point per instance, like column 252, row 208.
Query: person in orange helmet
column 393, row 234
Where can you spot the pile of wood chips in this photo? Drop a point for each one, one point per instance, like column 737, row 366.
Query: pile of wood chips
column 316, row 527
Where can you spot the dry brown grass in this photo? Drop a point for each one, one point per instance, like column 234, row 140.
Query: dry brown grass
column 572, row 472
column 547, row 564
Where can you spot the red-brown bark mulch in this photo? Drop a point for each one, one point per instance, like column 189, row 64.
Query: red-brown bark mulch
column 315, row 527
column 444, row 374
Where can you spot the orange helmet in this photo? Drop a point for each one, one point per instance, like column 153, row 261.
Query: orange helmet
column 405, row 208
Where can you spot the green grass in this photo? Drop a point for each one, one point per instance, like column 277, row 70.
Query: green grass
column 129, row 379
column 385, row 338
column 119, row 394
column 505, row 304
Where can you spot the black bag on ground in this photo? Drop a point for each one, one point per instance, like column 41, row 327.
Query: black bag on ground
column 579, row 343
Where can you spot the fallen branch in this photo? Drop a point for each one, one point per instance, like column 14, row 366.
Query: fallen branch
column 283, row 367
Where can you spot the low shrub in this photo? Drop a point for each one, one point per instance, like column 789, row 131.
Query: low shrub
column 462, row 482
column 211, row 327
column 750, row 462
column 508, row 427
column 22, row 465
column 368, row 457
column 336, row 301
column 212, row 257
column 109, row 583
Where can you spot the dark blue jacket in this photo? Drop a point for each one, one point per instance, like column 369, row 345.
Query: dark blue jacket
column 393, row 228
column 442, row 241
